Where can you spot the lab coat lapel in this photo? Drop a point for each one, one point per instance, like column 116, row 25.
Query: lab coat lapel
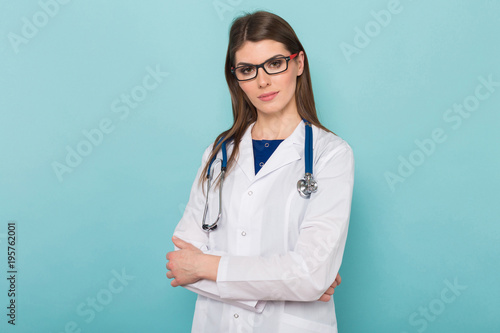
column 290, row 150
column 245, row 157
column 287, row 152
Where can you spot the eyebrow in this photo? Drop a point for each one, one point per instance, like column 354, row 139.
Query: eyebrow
column 246, row 63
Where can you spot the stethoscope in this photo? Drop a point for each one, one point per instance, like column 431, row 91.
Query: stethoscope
column 305, row 186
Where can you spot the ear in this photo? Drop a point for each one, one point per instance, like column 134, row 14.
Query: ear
column 300, row 59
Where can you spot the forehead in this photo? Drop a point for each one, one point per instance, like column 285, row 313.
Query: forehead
column 257, row 52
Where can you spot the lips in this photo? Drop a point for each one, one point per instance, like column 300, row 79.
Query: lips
column 268, row 96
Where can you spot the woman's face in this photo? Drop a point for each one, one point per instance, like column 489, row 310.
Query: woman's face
column 270, row 94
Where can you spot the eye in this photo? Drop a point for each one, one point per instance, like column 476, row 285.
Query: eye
column 246, row 70
column 275, row 63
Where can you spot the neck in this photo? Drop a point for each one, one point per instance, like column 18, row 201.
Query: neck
column 275, row 127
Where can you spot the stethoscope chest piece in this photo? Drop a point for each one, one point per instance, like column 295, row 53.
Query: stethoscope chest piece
column 307, row 185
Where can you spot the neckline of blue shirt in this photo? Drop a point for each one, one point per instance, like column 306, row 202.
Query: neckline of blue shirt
column 262, row 150
column 259, row 143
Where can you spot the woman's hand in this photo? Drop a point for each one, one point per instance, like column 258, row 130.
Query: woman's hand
column 183, row 264
column 189, row 264
column 329, row 292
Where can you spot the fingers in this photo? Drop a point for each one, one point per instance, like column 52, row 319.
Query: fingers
column 179, row 242
column 336, row 282
column 328, row 294
column 330, row 291
column 174, row 282
column 171, row 254
column 177, row 258
column 169, row 268
column 338, row 279
column 324, row 298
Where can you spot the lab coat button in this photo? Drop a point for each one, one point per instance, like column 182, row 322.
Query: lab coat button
column 243, row 233
column 250, row 192
column 236, row 315
column 261, row 164
column 266, row 144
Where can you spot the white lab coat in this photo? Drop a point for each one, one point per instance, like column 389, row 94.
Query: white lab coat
column 279, row 252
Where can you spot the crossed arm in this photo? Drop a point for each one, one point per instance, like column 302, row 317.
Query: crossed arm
column 300, row 274
column 189, row 265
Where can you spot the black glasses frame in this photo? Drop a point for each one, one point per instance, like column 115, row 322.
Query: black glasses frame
column 290, row 57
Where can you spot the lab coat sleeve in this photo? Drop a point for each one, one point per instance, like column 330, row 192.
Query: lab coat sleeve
column 307, row 271
column 189, row 229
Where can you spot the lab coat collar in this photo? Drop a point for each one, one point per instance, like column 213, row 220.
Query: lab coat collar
column 290, row 150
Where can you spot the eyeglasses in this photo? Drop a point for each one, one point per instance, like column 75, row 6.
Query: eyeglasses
column 272, row 66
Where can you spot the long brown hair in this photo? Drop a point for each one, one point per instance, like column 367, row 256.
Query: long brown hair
column 256, row 27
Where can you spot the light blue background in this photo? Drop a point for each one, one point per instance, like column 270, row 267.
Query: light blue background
column 117, row 209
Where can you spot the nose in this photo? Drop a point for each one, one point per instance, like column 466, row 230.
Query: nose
column 263, row 79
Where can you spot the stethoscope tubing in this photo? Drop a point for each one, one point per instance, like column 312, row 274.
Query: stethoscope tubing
column 305, row 186
column 308, row 149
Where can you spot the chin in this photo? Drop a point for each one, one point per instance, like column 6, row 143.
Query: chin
column 268, row 110
column 268, row 107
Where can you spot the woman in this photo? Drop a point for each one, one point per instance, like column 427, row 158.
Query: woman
column 275, row 252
